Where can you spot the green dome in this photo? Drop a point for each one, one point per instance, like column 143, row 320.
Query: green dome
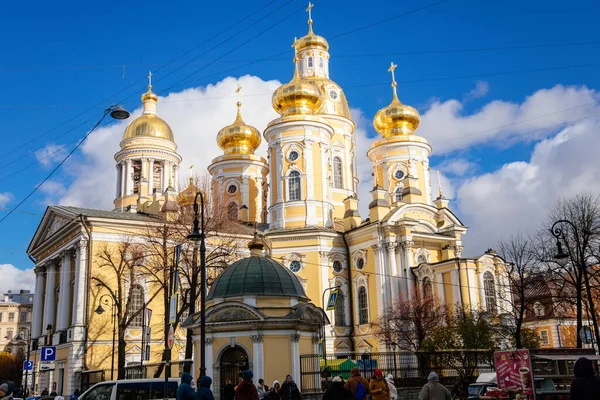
column 256, row 275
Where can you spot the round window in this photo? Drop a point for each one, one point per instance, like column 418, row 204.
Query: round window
column 337, row 266
column 399, row 174
column 293, row 155
column 295, row 266
column 333, row 94
column 360, row 263
column 232, row 189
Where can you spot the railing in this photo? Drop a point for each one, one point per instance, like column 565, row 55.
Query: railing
column 150, row 370
column 409, row 369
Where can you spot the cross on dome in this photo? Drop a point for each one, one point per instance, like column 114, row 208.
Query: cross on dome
column 308, row 10
column 238, row 90
column 150, row 80
column 394, row 84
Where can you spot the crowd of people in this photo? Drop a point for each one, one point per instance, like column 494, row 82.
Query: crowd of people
column 245, row 389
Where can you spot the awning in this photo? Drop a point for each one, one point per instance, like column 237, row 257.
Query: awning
column 566, row 357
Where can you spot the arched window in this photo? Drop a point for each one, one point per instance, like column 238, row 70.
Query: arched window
column 363, row 306
column 310, row 62
column 340, row 309
column 338, row 181
column 398, row 194
column 294, row 188
column 427, row 288
column 232, row 211
column 136, row 303
column 538, row 309
column 320, row 62
column 490, row 292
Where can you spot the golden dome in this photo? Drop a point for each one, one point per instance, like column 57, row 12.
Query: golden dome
column 186, row 197
column 333, row 99
column 149, row 124
column 297, row 97
column 238, row 138
column 311, row 41
column 396, row 119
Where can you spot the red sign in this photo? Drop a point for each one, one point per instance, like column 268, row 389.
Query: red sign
column 171, row 337
column 513, row 370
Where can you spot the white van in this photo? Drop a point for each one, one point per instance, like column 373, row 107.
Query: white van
column 131, row 389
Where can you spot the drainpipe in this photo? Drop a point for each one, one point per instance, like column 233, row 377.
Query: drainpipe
column 350, row 294
column 87, row 284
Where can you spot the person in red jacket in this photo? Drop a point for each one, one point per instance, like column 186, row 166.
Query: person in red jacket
column 246, row 389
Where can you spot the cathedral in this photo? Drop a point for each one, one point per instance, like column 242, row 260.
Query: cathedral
column 303, row 201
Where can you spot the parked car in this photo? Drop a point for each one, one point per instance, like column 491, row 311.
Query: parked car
column 131, row 389
column 484, row 381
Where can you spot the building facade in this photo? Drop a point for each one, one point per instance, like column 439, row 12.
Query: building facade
column 303, row 200
column 15, row 321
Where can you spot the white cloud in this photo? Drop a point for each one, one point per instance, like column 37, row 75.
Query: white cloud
column 457, row 167
column 363, row 164
column 447, row 129
column 195, row 115
column 12, row 278
column 480, row 90
column 519, row 195
column 5, row 198
column 50, row 154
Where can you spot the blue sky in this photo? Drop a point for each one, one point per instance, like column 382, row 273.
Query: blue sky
column 63, row 63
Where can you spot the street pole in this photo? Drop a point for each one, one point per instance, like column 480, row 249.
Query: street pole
column 27, row 361
column 112, row 356
column 324, row 339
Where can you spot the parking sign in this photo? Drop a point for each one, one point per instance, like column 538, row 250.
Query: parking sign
column 27, row 365
column 48, row 353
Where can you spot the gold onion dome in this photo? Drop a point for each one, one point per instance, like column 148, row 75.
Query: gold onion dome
column 187, row 196
column 311, row 41
column 149, row 124
column 238, row 138
column 397, row 119
column 297, row 97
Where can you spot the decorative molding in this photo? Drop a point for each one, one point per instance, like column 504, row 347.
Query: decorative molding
column 407, row 245
column 257, row 338
column 295, row 337
column 208, row 341
column 458, row 250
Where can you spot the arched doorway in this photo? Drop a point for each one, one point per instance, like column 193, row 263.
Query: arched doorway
column 233, row 361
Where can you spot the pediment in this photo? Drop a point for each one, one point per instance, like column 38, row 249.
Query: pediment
column 232, row 312
column 425, row 215
column 55, row 228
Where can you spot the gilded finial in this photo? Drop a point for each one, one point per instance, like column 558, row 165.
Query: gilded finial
column 191, row 168
column 308, row 10
column 440, row 194
column 238, row 90
column 394, row 84
column 150, row 80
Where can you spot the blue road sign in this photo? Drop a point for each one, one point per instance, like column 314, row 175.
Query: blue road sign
column 27, row 365
column 48, row 353
column 333, row 295
column 147, row 358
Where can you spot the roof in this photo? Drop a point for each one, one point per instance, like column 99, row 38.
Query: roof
column 256, row 275
column 90, row 212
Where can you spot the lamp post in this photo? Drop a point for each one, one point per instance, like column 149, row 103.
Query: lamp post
column 100, row 311
column 19, row 337
column 197, row 235
column 324, row 339
column 562, row 258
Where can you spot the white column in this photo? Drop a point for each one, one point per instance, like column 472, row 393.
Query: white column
column 324, row 185
column 310, row 178
column 165, row 175
column 246, row 192
column 64, row 295
column 208, row 353
column 38, row 302
column 118, row 188
column 439, row 279
column 150, row 176
column 455, row 286
column 143, row 173
column 128, row 178
column 80, row 283
column 392, row 271
column 176, row 183
column 400, row 280
column 295, row 357
column 280, row 180
column 473, row 298
column 49, row 308
column 122, row 180
column 382, row 295
column 259, row 201
column 407, row 248
column 258, row 356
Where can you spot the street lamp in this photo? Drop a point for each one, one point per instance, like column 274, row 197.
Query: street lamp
column 100, row 310
column 562, row 258
column 197, row 235
column 19, row 337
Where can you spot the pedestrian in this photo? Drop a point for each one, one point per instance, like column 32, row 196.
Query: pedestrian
column 392, row 386
column 585, row 385
column 228, row 390
column 44, row 392
column 185, row 390
column 4, row 394
column 53, row 393
column 337, row 391
column 263, row 390
column 434, row 390
column 204, row 392
column 289, row 389
column 246, row 389
column 274, row 392
column 357, row 385
column 378, row 387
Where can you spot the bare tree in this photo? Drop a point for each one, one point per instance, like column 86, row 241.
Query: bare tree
column 118, row 269
column 409, row 322
column 523, row 273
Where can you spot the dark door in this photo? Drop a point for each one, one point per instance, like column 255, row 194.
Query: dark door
column 233, row 362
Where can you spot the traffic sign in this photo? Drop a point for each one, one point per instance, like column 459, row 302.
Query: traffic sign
column 47, row 366
column 48, row 353
column 333, row 295
column 171, row 337
column 147, row 355
column 173, row 309
column 27, row 365
column 148, row 335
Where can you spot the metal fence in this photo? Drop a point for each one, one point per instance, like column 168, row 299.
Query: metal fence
column 409, row 369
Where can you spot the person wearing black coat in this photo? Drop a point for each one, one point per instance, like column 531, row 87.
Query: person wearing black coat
column 585, row 385
column 337, row 391
column 289, row 390
column 228, row 390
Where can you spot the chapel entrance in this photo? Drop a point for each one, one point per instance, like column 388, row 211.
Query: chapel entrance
column 233, row 362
